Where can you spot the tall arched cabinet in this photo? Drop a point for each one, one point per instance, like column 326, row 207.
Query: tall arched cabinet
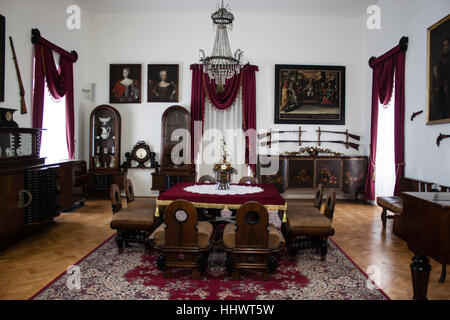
column 174, row 167
column 104, row 151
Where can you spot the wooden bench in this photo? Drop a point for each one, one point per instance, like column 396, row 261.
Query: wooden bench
column 395, row 204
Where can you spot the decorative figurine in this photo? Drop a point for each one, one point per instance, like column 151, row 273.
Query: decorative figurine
column 104, row 121
column 105, row 132
column 97, row 162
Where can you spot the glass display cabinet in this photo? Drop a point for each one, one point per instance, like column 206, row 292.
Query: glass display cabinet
column 175, row 142
column 104, row 151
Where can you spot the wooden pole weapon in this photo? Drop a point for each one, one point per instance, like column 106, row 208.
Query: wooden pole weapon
column 23, row 107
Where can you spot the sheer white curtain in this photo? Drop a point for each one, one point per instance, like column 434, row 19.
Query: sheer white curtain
column 385, row 161
column 54, row 142
column 222, row 124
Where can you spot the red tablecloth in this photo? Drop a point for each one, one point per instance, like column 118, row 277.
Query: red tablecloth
column 269, row 197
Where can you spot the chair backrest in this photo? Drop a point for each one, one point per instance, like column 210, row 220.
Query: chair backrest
column 181, row 219
column 206, row 178
column 252, row 222
column 129, row 190
column 248, row 180
column 329, row 206
column 318, row 197
column 116, row 199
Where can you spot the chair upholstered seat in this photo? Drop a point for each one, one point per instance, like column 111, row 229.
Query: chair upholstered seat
column 303, row 221
column 394, row 204
column 128, row 218
column 142, row 203
column 301, row 209
column 205, row 230
column 229, row 236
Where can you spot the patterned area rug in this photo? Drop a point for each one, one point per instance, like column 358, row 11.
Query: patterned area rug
column 133, row 274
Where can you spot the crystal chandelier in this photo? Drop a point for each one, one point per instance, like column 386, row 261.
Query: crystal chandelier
column 221, row 65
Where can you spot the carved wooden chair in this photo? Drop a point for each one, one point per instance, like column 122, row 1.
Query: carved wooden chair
column 132, row 224
column 206, row 179
column 248, row 180
column 183, row 241
column 251, row 242
column 302, row 208
column 310, row 230
column 141, row 203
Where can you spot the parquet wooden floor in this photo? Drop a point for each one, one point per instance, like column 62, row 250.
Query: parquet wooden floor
column 31, row 264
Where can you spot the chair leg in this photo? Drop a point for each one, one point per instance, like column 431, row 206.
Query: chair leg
column 443, row 273
column 195, row 274
column 119, row 241
column 324, row 248
column 236, row 274
column 168, row 273
column 384, row 217
column 265, row 276
column 229, row 263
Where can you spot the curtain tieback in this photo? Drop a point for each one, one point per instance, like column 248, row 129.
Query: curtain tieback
column 398, row 167
column 374, row 171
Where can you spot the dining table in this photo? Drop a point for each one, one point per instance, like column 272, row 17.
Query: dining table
column 207, row 196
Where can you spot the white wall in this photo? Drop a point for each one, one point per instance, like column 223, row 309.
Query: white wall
column 49, row 16
column 266, row 41
column 411, row 18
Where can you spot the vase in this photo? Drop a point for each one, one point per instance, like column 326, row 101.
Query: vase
column 223, row 180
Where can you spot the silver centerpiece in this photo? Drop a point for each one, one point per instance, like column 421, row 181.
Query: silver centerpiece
column 224, row 171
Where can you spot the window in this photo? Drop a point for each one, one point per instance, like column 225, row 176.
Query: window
column 385, row 161
column 54, row 143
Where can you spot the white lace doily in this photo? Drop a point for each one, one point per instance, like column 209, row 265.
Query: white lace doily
column 212, row 189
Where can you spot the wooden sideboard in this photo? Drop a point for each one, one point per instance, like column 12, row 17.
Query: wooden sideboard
column 32, row 196
column 73, row 183
column 344, row 173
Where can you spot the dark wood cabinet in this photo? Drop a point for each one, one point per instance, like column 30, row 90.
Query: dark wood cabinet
column 174, row 170
column 73, row 184
column 32, row 196
column 104, row 152
column 344, row 173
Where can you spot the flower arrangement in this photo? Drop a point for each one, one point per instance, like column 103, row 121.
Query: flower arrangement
column 224, row 170
column 314, row 151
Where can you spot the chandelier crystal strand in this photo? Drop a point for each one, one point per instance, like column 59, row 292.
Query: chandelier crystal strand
column 221, row 65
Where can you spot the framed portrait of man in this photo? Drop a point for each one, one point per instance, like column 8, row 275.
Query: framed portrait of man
column 438, row 72
column 306, row 94
column 2, row 58
column 125, row 83
column 162, row 82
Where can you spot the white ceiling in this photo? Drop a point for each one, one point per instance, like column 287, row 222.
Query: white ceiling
column 328, row 8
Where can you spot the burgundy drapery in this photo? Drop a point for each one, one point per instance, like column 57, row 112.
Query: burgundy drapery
column 384, row 68
column 59, row 82
column 202, row 85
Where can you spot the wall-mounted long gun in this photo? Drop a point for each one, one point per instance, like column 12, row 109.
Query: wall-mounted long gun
column 269, row 133
column 23, row 107
column 353, row 136
column 347, row 144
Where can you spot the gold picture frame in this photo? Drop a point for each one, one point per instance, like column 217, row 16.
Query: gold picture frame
column 438, row 82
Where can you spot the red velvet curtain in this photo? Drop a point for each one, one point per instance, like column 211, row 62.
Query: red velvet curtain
column 249, row 109
column 202, row 85
column 223, row 100
column 384, row 68
column 59, row 82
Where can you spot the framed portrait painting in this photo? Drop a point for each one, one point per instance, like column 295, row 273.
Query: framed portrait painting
column 306, row 94
column 162, row 83
column 2, row 58
column 438, row 72
column 125, row 83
